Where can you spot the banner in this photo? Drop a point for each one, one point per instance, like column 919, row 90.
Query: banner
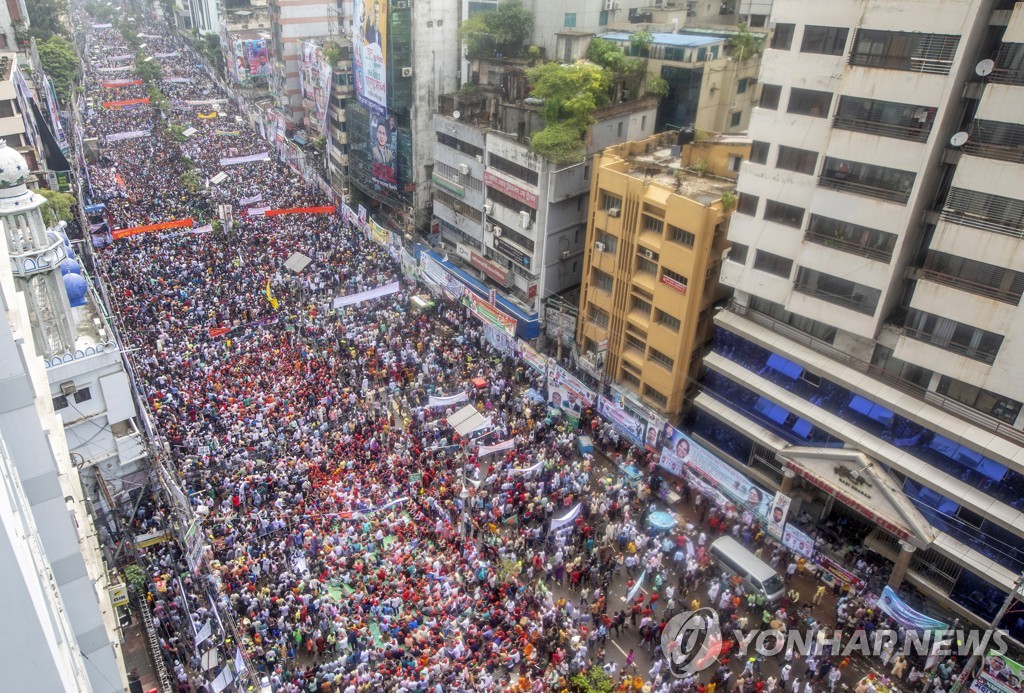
column 102, row 26
column 326, row 209
column 257, row 58
column 384, row 150
column 132, row 135
column 490, row 314
column 369, row 295
column 315, row 83
column 567, row 393
column 409, row 266
column 250, row 200
column 134, row 231
column 999, row 674
column 795, row 539
column 633, row 428
column 124, row 56
column 498, row 447
column 233, row 160
column 531, row 357
column 371, row 47
column 178, row 80
column 125, row 104
column 902, row 614
column 562, row 521
column 116, row 68
column 256, row 211
column 441, row 401
column 114, row 83
column 172, row 54
column 526, row 470
column 637, row 586
column 780, row 510
column 682, row 452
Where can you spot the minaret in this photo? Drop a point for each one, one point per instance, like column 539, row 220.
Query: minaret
column 36, row 255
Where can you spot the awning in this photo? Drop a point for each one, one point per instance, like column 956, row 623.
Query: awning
column 467, row 420
column 784, row 366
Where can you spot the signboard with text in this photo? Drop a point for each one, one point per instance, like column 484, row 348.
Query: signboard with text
column 511, row 189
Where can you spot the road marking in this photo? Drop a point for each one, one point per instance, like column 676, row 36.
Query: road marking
column 619, row 648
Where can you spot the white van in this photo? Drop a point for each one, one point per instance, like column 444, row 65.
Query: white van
column 757, row 576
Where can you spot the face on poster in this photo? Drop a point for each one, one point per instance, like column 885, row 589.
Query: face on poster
column 258, row 56
column 999, row 674
column 383, row 164
column 371, row 50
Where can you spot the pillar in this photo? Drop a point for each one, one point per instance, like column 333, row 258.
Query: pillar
column 899, row 569
column 788, row 482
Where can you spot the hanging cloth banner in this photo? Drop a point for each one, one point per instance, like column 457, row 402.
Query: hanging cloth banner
column 136, row 230
column 134, row 134
column 126, row 56
column 115, row 83
column 118, row 68
column 149, row 36
column 125, row 104
column 497, row 447
column 557, row 522
column 636, row 588
column 526, row 470
column 172, row 54
column 178, row 80
column 251, row 200
column 256, row 211
column 352, row 299
column 436, row 401
column 326, row 209
column 900, row 612
column 105, row 26
column 207, row 116
column 232, row 160
column 206, row 102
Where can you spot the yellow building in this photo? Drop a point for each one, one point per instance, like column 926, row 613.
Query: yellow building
column 655, row 238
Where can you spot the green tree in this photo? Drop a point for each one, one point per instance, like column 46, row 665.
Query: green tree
column 559, row 142
column 60, row 63
column 135, row 578
column 606, row 53
column 744, row 45
column 60, row 206
column 189, row 180
column 640, row 43
column 209, row 48
column 502, row 30
column 593, row 680
column 47, row 18
column 570, row 92
column 657, row 86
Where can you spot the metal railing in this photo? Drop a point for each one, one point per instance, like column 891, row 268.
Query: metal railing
column 996, row 140
column 941, row 402
column 845, row 301
column 911, row 130
column 866, row 189
column 972, row 287
column 976, row 221
column 848, row 246
column 975, row 353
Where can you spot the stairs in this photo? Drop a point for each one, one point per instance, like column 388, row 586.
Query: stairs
column 155, row 653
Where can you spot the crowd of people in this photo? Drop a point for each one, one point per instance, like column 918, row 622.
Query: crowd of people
column 355, row 539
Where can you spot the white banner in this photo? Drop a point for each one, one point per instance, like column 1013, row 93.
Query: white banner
column 777, row 516
column 178, row 80
column 498, row 447
column 103, row 26
column 205, row 102
column 637, row 586
column 117, row 68
column 526, row 470
column 126, row 56
column 257, row 211
column 380, row 291
column 233, row 160
column 172, row 54
column 149, row 36
column 204, row 633
column 557, row 522
column 132, row 135
column 436, row 401
column 250, row 200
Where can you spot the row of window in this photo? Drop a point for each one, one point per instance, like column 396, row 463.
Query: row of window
column 824, row 40
column 891, row 50
column 61, row 401
column 454, row 175
column 459, row 145
column 854, row 177
column 513, row 169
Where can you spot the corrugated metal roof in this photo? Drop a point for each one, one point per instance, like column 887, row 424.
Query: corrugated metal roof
column 665, row 39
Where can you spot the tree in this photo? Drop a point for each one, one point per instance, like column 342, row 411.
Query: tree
column 60, row 63
column 212, row 54
column 570, row 92
column 559, row 142
column 593, row 680
column 47, row 18
column 502, row 30
column 657, row 86
column 743, row 45
column 640, row 43
column 59, row 206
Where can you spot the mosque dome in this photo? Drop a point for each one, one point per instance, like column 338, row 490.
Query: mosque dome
column 75, row 286
column 14, row 169
column 70, row 266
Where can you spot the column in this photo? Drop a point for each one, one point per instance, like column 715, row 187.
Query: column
column 788, row 482
column 899, row 569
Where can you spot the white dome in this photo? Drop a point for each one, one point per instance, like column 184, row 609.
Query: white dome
column 13, row 167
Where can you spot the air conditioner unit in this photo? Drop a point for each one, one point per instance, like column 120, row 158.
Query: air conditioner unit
column 649, row 254
column 614, row 212
column 479, row 158
column 487, row 208
column 464, row 169
column 524, row 219
column 407, row 72
column 67, row 388
column 609, row 5
column 566, row 254
column 497, row 232
column 599, row 246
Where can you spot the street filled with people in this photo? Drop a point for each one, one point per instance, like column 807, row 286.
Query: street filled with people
column 356, row 541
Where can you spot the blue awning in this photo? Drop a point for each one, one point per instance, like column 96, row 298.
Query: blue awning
column 771, row 410
column 802, row 428
column 785, row 366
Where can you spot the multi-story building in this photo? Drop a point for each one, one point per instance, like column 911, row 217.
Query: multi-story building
column 291, row 23
column 655, row 236
column 205, row 16
column 867, row 366
column 61, row 630
column 14, row 25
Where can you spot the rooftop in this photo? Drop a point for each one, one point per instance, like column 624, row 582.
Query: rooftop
column 666, row 39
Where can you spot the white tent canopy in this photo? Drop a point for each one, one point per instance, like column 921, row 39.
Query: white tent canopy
column 467, row 420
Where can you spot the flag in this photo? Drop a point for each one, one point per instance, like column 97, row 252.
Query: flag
column 270, row 296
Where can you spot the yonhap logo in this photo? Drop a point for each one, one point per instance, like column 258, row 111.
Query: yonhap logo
column 691, row 641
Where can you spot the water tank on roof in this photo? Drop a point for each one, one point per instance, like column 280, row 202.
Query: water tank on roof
column 685, row 136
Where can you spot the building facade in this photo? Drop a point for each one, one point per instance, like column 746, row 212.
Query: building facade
column 655, row 236
column 877, row 276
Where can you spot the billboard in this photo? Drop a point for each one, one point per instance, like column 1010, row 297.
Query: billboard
column 315, row 83
column 567, row 393
column 371, row 49
column 999, row 674
column 384, row 150
column 238, row 68
column 257, row 57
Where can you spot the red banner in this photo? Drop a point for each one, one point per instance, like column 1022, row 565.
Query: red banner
column 114, row 84
column 329, row 209
column 136, row 230
column 218, row 331
column 122, row 104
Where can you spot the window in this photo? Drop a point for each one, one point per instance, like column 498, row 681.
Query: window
column 653, row 225
column 610, row 242
column 985, row 211
column 512, row 168
column 966, row 340
column 759, row 152
column 990, row 403
column 799, row 160
column 809, row 102
column 851, row 238
column 883, row 358
column 735, row 119
column 602, row 280
column 885, row 118
column 991, row 281
column 904, row 50
column 635, row 343
column 458, row 145
column 667, row 321
column 456, row 204
column 60, row 402
column 747, row 204
column 673, row 278
column 841, row 292
column 996, row 140
column 629, row 377
column 1009, row 64
column 867, row 179
column 734, row 162
column 782, row 38
column 643, row 122
column 781, row 213
column 738, row 253
column 507, row 201
column 639, row 304
column 6, row 106
column 661, row 359
column 619, row 132
column 814, row 328
column 570, row 20
column 770, row 95
column 598, row 316
column 610, row 202
column 655, row 396
column 827, row 40
column 82, row 395
column 773, row 264
column 677, row 235
column 741, row 86
column 645, row 265
column 602, row 18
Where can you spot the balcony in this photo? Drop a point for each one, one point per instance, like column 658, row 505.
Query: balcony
column 848, row 246
column 884, row 118
column 879, row 182
column 1009, row 67
column 985, row 211
column 980, row 278
column 955, row 337
column 994, row 140
column 838, row 291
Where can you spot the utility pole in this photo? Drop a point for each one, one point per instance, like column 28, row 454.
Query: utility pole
column 1010, row 598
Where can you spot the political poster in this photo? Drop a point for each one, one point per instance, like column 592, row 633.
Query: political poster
column 794, row 538
column 257, row 57
column 999, row 674
column 631, row 427
column 779, row 511
column 371, row 37
column 682, row 454
column 904, row 615
column 239, row 68
column 315, row 83
column 567, row 393
column 384, row 151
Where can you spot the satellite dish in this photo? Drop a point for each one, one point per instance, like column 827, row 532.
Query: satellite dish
column 984, row 68
column 456, row 114
column 959, row 139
